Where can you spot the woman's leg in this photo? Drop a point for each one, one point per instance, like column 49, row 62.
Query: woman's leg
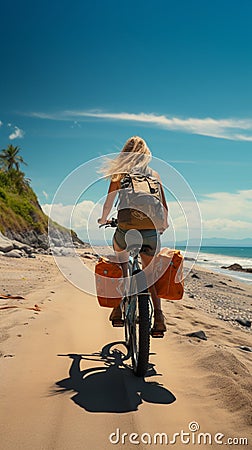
column 122, row 258
column 146, row 259
column 159, row 322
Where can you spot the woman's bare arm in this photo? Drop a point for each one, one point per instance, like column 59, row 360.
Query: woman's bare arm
column 108, row 204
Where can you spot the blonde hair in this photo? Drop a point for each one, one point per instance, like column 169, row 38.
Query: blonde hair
column 135, row 153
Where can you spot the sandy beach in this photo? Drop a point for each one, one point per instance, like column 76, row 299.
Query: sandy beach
column 66, row 386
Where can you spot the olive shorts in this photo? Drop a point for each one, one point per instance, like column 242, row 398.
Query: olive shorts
column 150, row 245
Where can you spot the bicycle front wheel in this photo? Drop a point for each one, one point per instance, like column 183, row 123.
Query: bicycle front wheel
column 140, row 335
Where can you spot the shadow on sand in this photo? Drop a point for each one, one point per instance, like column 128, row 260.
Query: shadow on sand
column 111, row 387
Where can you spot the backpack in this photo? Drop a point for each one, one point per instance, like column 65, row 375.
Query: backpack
column 140, row 202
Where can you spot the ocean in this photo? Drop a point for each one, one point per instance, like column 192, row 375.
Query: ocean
column 213, row 258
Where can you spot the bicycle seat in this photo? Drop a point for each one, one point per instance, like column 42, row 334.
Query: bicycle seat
column 134, row 240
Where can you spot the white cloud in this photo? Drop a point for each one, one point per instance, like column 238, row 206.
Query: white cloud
column 224, row 214
column 82, row 218
column 227, row 227
column 235, row 206
column 76, row 216
column 16, row 134
column 76, row 124
column 227, row 128
column 46, row 116
column 240, row 137
column 45, row 194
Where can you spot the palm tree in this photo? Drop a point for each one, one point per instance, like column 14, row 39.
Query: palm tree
column 10, row 159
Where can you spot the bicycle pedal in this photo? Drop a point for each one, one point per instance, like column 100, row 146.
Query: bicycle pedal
column 118, row 323
column 157, row 334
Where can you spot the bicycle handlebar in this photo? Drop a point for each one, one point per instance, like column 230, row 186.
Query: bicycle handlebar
column 114, row 222
column 110, row 223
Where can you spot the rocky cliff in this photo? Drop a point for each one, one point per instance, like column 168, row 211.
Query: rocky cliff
column 22, row 219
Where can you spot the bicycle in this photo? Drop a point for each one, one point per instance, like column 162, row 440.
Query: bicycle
column 137, row 311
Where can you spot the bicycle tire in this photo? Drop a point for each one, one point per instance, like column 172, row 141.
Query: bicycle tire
column 140, row 337
column 126, row 324
column 140, row 325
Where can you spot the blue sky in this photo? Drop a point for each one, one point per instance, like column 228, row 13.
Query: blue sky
column 78, row 78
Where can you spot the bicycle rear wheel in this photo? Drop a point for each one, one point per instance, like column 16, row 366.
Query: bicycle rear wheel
column 127, row 322
column 140, row 336
column 140, row 333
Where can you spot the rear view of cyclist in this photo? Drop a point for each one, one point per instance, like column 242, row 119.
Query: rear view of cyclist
column 130, row 172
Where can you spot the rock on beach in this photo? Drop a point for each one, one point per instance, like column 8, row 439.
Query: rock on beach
column 14, row 254
column 237, row 267
column 6, row 244
column 15, row 249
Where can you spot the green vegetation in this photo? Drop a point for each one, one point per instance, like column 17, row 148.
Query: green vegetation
column 19, row 206
column 20, row 210
column 10, row 158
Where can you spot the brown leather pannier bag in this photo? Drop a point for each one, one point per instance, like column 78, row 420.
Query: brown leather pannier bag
column 169, row 264
column 109, row 283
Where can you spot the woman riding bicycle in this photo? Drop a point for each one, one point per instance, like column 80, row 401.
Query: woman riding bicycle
column 134, row 158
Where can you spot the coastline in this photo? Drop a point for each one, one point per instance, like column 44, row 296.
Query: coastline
column 215, row 258
column 39, row 345
column 218, row 294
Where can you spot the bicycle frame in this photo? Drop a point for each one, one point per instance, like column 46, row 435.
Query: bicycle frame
column 137, row 311
column 134, row 268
